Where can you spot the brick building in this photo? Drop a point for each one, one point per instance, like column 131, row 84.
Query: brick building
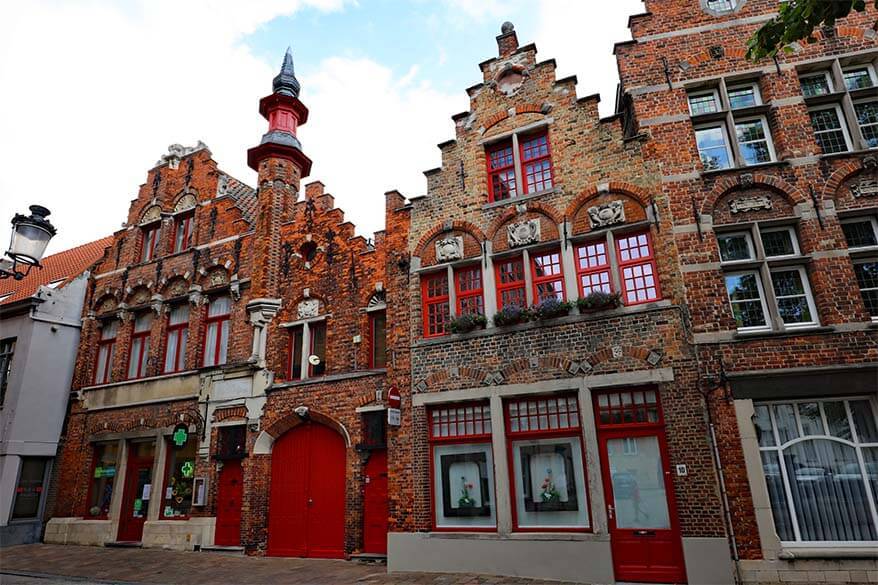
column 771, row 175
column 567, row 440
column 233, row 338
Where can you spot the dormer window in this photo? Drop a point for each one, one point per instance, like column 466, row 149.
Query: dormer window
column 519, row 165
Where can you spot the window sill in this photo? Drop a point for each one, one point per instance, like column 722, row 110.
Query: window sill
column 826, row 98
column 846, row 153
column 519, row 199
column 324, row 379
column 544, row 536
column 744, row 169
column 811, row 330
column 793, row 552
column 137, row 380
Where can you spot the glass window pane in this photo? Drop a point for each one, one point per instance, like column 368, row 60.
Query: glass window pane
column 703, row 103
column 762, row 422
column 734, row 247
column 177, row 499
column 743, row 97
column 638, row 482
column 29, row 490
column 743, row 291
column 813, row 85
column 864, row 421
column 837, row 419
column 828, row 131
column 219, row 306
column 549, row 483
column 778, row 243
column 859, row 233
column 102, row 479
column 463, row 485
column 857, row 78
column 867, row 280
column 792, row 303
column 812, row 422
column 712, row 148
column 777, row 495
column 785, row 419
column 867, row 120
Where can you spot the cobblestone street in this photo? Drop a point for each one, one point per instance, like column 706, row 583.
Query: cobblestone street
column 41, row 564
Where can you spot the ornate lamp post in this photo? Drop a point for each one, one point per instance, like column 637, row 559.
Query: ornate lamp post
column 30, row 236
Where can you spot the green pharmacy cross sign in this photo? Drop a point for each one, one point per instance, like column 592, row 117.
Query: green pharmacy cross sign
column 180, row 436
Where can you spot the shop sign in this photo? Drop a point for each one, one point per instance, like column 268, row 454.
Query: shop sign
column 180, row 436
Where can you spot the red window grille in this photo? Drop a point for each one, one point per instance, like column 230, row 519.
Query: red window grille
column 593, row 268
column 139, row 354
column 216, row 339
column 501, row 171
column 434, row 290
column 636, row 406
column 150, row 242
column 511, row 283
column 542, row 414
column 637, row 265
column 469, row 291
column 536, row 163
column 548, row 277
column 176, row 339
column 183, row 232
column 106, row 351
column 460, row 421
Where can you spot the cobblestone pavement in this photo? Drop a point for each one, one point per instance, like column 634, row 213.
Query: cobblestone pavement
column 45, row 564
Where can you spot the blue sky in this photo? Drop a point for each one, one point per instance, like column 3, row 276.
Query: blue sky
column 102, row 87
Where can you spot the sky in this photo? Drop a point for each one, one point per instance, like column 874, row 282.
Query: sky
column 92, row 92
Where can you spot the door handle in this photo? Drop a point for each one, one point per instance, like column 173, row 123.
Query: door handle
column 310, row 502
column 644, row 533
column 610, row 511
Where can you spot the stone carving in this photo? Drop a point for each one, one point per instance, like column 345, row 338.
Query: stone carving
column 717, row 52
column 176, row 152
column 865, row 186
column 108, row 304
column 152, row 214
column 523, row 233
column 308, row 308
column 222, row 185
column 606, row 214
column 746, row 180
column 187, row 201
column 750, row 203
column 377, row 300
column 177, row 287
column 449, row 249
column 140, row 296
column 217, row 278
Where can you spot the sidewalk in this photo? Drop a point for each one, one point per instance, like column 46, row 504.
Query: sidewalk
column 155, row 566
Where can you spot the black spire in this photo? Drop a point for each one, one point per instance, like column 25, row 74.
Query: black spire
column 286, row 82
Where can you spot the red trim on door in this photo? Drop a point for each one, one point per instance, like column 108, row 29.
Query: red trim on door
column 228, row 504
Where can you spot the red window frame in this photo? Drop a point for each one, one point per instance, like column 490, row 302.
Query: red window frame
column 179, row 329
column 377, row 359
column 108, row 344
column 593, row 261
column 636, row 265
column 91, row 477
column 297, row 335
column 149, row 242
column 313, row 327
column 571, row 402
column 184, row 221
column 535, row 160
column 550, row 278
column 482, row 415
column 431, row 301
column 469, row 288
column 635, row 413
column 143, row 350
column 503, row 155
column 221, row 320
column 518, row 285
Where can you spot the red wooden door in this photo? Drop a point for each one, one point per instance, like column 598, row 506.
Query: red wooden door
column 307, row 504
column 135, row 499
column 375, row 504
column 228, row 502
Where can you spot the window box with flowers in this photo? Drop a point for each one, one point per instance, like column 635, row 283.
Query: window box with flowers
column 550, row 308
column 511, row 315
column 467, row 323
column 598, row 300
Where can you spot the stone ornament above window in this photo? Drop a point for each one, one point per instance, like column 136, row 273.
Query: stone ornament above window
column 152, row 214
column 750, row 203
column 448, row 249
column 523, row 233
column 187, row 201
column 606, row 214
column 866, row 185
column 222, row 185
column 217, row 278
column 176, row 152
column 308, row 308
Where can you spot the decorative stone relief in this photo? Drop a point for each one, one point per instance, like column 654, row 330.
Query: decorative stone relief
column 523, row 233
column 176, row 152
column 308, row 308
column 140, row 296
column 866, row 184
column 449, row 249
column 152, row 214
column 750, row 203
column 187, row 201
column 379, row 299
column 606, row 214
column 217, row 278
column 222, row 185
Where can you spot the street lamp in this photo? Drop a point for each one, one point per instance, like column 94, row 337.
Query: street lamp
column 30, row 236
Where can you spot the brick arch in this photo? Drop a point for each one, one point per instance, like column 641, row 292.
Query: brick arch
column 842, row 174
column 274, row 431
column 633, row 191
column 105, row 296
column 534, row 206
column 728, row 184
column 463, row 226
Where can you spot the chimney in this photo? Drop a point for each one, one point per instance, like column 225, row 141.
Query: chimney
column 507, row 42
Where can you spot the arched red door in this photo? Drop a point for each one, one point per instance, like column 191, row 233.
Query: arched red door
column 307, row 506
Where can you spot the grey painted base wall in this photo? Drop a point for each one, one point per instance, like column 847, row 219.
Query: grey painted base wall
column 580, row 559
column 20, row 533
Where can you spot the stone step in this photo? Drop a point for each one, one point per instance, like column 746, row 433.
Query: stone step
column 370, row 558
column 124, row 544
column 229, row 550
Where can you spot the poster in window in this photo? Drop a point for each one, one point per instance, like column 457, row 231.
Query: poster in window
column 548, row 480
column 465, row 490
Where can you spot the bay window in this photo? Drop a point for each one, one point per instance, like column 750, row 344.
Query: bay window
column 149, row 242
column 216, row 338
column 511, row 282
column 820, row 465
column 378, row 339
column 548, row 476
column 138, row 357
column 183, row 231
column 436, row 309
column 106, row 351
column 462, row 467
column 176, row 339
column 519, row 165
column 104, row 466
column 179, row 476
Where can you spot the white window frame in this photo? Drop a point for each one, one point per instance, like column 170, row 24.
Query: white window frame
column 873, row 318
column 732, row 6
column 768, row 141
column 809, row 297
column 304, row 362
column 728, row 144
column 762, row 301
column 859, row 219
column 870, row 71
column 757, row 95
column 841, row 121
column 824, row 73
column 860, row 126
column 748, row 236
column 711, row 92
column 795, row 241
column 778, row 448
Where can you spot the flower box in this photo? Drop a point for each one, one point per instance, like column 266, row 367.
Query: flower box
column 598, row 301
column 467, row 323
